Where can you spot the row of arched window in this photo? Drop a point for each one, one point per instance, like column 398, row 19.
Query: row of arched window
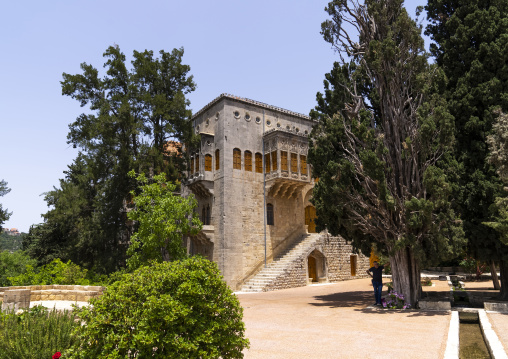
column 288, row 161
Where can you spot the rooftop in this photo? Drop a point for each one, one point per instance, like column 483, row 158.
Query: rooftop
column 251, row 102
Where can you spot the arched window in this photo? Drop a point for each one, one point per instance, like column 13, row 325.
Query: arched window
column 274, row 161
column 259, row 163
column 248, row 161
column 197, row 164
column 269, row 214
column 284, row 160
column 217, row 160
column 267, row 163
column 294, row 162
column 303, row 164
column 237, row 159
column 208, row 163
column 203, row 215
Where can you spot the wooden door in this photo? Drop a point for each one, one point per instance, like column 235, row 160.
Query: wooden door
column 353, row 265
column 310, row 217
column 311, row 261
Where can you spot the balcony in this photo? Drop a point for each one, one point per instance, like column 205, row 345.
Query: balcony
column 286, row 159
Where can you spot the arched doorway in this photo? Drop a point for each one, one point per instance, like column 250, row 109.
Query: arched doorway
column 316, row 267
column 310, row 217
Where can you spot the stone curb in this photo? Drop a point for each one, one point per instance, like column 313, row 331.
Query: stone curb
column 494, row 345
column 452, row 343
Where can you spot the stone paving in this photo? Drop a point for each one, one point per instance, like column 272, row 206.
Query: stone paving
column 338, row 321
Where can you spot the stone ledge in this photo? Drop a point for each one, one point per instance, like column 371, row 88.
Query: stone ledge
column 434, row 305
column 492, row 306
column 58, row 292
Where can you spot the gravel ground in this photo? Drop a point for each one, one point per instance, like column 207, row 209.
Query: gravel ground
column 338, row 321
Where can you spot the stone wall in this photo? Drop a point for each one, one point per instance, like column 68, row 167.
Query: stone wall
column 73, row 293
column 337, row 255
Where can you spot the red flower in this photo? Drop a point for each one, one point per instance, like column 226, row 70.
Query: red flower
column 56, row 355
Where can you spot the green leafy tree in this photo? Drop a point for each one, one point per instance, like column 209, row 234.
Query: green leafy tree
column 179, row 309
column 163, row 219
column 376, row 158
column 132, row 115
column 4, row 213
column 471, row 46
column 13, row 264
column 56, row 272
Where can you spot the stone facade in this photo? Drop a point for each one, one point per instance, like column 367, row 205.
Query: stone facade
column 252, row 160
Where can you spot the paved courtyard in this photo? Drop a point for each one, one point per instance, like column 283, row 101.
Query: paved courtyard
column 335, row 321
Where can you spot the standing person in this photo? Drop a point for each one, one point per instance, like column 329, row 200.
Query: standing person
column 376, row 274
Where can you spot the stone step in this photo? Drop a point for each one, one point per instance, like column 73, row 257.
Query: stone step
column 279, row 265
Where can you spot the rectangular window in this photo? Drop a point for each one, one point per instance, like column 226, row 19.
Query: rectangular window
column 259, row 163
column 294, row 163
column 274, row 161
column 208, row 163
column 197, row 164
column 248, row 160
column 217, row 160
column 237, row 159
column 284, row 160
column 267, row 163
column 303, row 164
column 192, row 165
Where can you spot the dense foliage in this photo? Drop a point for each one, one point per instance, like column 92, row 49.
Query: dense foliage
column 13, row 264
column 132, row 117
column 4, row 213
column 163, row 219
column 382, row 130
column 180, row 309
column 56, row 272
column 36, row 333
column 11, row 243
column 471, row 46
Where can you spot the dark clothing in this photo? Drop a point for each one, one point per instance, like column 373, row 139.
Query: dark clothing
column 377, row 273
column 378, row 288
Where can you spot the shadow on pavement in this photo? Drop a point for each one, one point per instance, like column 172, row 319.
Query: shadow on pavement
column 345, row 299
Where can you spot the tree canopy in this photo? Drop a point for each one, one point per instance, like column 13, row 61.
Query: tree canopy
column 4, row 213
column 382, row 130
column 471, row 46
column 132, row 117
column 163, row 219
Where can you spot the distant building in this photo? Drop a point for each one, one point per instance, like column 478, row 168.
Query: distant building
column 250, row 177
column 11, row 232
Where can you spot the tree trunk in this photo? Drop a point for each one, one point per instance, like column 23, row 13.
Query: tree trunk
column 406, row 275
column 503, row 269
column 493, row 273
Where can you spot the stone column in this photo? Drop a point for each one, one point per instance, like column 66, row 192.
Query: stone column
column 15, row 299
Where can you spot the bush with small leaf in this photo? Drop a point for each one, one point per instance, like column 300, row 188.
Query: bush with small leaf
column 56, row 272
column 180, row 309
column 35, row 333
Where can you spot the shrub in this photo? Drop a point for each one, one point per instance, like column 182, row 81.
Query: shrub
column 35, row 333
column 56, row 272
column 180, row 309
column 395, row 300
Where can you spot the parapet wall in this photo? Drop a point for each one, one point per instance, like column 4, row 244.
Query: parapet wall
column 75, row 293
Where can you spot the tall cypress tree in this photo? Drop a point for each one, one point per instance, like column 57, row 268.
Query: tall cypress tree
column 382, row 129
column 471, row 46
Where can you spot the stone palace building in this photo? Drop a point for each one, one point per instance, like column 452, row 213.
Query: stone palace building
column 253, row 185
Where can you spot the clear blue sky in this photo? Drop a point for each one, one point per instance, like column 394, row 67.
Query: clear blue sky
column 269, row 51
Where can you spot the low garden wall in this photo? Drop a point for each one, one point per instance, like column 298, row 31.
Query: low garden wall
column 75, row 293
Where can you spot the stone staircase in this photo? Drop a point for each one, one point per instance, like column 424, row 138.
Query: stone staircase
column 280, row 265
